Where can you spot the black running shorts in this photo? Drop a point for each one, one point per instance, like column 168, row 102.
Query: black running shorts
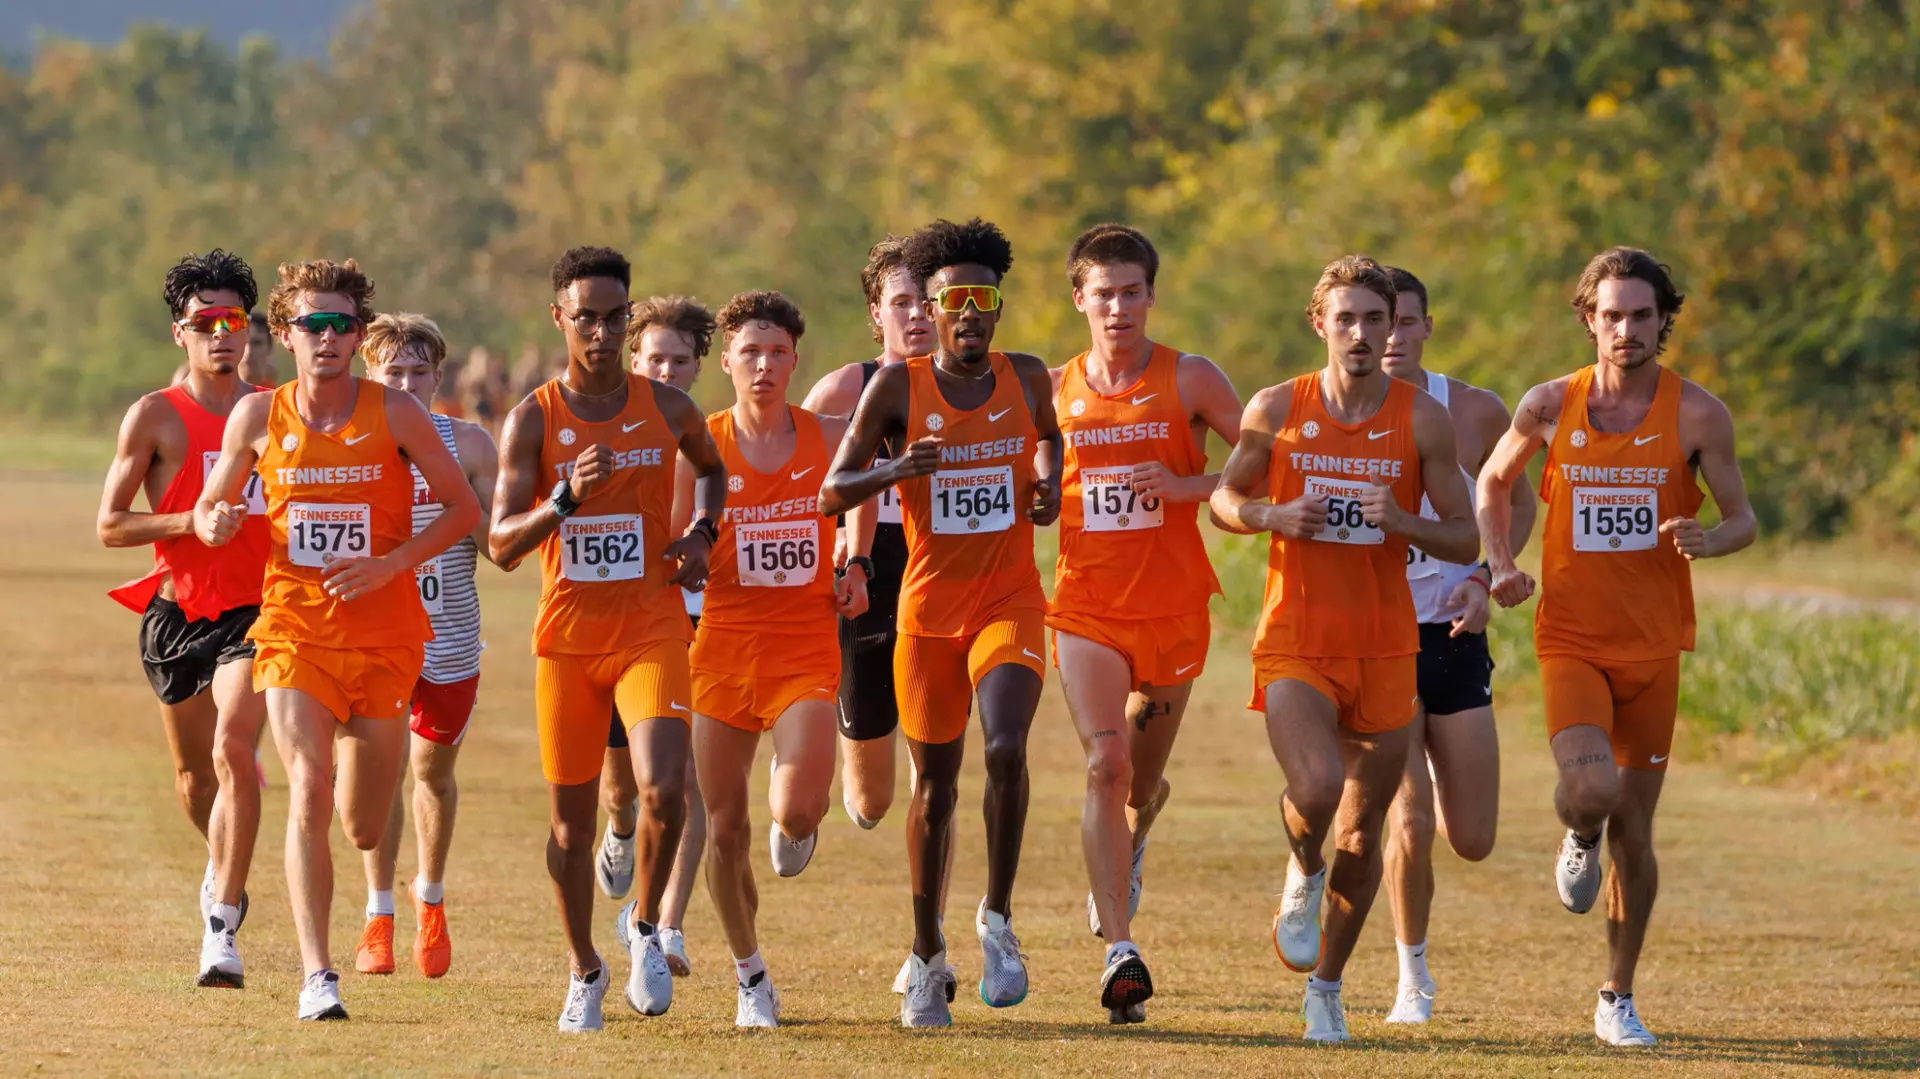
column 868, row 709
column 180, row 656
column 1456, row 673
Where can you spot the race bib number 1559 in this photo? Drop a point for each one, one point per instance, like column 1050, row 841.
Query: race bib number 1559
column 1610, row 519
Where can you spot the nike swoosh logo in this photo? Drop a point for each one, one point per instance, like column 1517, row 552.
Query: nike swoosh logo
column 627, row 428
column 994, row 417
column 1489, row 690
column 1642, row 442
column 1144, row 400
column 1028, row 652
column 362, row 438
column 676, row 705
column 1178, row 671
column 1656, row 760
column 797, row 475
column 1374, row 436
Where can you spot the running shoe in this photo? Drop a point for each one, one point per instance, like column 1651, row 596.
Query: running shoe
column 320, row 997
column 674, row 944
column 929, row 990
column 1576, row 872
column 901, row 979
column 220, row 966
column 1126, row 982
column 432, row 948
column 613, row 867
column 581, row 1011
column 1414, row 1004
column 1133, row 895
column 758, row 1004
column 1136, row 1013
column 1003, row 968
column 1297, row 936
column 650, row 984
column 1326, row 1019
column 375, row 953
column 1617, row 1023
column 790, row 856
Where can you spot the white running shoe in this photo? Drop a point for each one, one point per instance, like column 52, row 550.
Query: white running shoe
column 1576, row 872
column 929, row 990
column 1414, row 1004
column 1326, row 1019
column 1297, row 936
column 650, row 984
column 220, row 966
column 946, row 971
column 1003, row 970
column 1133, row 896
column 320, row 997
column 1126, row 982
column 790, row 856
column 673, row 944
column 846, row 803
column 759, row 1004
column 614, row 865
column 581, row 1012
column 206, row 895
column 1619, row 1024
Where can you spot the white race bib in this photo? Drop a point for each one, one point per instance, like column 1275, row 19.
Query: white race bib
column 1421, row 564
column 1609, row 519
column 426, row 575
column 972, row 500
column 1345, row 521
column 778, row 554
column 606, row 548
column 889, row 506
column 319, row 532
column 256, row 498
column 1112, row 505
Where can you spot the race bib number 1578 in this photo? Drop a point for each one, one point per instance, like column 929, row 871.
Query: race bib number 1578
column 1111, row 504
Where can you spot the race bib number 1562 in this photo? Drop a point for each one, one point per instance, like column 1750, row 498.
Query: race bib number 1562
column 604, row 548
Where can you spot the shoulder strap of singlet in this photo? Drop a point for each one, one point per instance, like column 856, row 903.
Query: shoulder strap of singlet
column 1439, row 388
column 868, row 369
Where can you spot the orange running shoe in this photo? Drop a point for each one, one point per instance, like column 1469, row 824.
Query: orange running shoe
column 432, row 948
column 375, row 954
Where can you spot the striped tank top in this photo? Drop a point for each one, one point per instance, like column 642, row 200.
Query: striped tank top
column 446, row 586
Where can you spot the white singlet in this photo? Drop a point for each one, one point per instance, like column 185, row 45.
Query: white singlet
column 1431, row 580
column 446, row 587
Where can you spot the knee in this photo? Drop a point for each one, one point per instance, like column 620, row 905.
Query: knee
column 1592, row 796
column 575, row 837
column 1317, row 799
column 1006, row 761
column 197, row 783
column 1413, row 827
column 439, row 786
column 364, row 834
column 938, row 799
column 871, row 804
column 1109, row 771
column 665, row 801
column 802, row 816
column 729, row 832
column 233, row 758
column 1474, row 846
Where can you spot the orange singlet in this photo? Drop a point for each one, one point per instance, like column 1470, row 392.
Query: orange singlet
column 1338, row 613
column 767, row 634
column 970, row 599
column 610, row 626
column 1616, row 597
column 343, row 495
column 1133, row 574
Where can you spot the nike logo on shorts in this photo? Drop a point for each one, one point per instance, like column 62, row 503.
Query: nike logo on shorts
column 677, row 706
column 1642, row 442
column 628, row 428
column 356, row 441
column 1025, row 652
column 1656, row 760
column 1178, row 671
column 1375, row 436
column 1143, row 400
column 797, row 475
column 994, row 417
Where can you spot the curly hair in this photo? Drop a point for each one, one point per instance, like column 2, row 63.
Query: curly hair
column 319, row 275
column 391, row 334
column 1353, row 271
column 1619, row 263
column 1405, row 284
column 883, row 258
column 215, row 271
column 681, row 314
column 1111, row 244
column 935, row 247
column 761, row 307
column 582, row 262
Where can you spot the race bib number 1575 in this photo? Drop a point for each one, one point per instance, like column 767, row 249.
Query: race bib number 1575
column 319, row 532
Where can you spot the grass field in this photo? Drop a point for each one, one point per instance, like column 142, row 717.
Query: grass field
column 1785, row 942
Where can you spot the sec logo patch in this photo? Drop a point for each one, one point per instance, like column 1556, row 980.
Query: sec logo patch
column 1078, row 408
column 566, row 436
column 935, row 421
column 1578, row 438
column 1310, row 429
column 290, row 443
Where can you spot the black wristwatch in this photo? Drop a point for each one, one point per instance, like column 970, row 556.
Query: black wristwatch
column 865, row 564
column 707, row 528
column 563, row 500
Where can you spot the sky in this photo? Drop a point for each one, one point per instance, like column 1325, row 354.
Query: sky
column 301, row 27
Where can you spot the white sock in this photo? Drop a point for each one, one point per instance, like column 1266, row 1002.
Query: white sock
column 228, row 916
column 1413, row 963
column 616, row 837
column 209, row 877
column 1119, row 946
column 431, row 893
column 379, row 903
column 745, row 969
column 1321, row 985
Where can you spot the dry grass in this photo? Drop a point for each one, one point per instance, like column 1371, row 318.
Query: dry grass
column 1785, row 942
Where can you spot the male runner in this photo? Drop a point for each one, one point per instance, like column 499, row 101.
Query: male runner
column 972, row 486
column 1334, row 464
column 669, row 336
column 256, row 364
column 1626, row 439
column 765, row 659
column 341, row 633
column 197, row 604
column 1453, row 744
column 587, row 479
column 406, row 352
column 1129, row 609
